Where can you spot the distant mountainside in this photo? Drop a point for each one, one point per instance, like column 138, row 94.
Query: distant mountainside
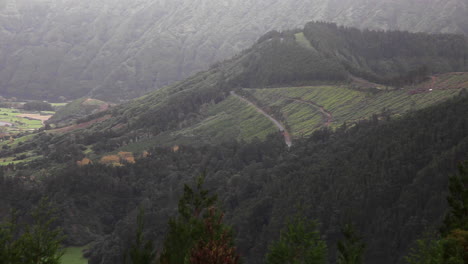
column 115, row 50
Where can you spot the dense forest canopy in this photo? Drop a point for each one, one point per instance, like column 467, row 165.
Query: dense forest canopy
column 387, row 176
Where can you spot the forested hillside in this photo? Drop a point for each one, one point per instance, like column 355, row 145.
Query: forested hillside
column 114, row 50
column 389, row 177
column 377, row 121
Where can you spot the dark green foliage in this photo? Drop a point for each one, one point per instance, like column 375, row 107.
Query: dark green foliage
column 452, row 247
column 9, row 247
column 426, row 251
column 299, row 243
column 351, row 248
column 392, row 57
column 217, row 247
column 282, row 61
column 39, row 242
column 370, row 173
column 141, row 251
column 198, row 225
column 38, row 106
column 457, row 218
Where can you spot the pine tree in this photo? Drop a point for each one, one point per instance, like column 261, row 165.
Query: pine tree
column 9, row 247
column 457, row 218
column 218, row 247
column 452, row 245
column 198, row 232
column 36, row 243
column 299, row 243
column 351, row 249
column 428, row 250
column 41, row 242
column 142, row 251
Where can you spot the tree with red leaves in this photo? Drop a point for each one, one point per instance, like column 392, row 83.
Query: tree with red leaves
column 218, row 247
column 198, row 234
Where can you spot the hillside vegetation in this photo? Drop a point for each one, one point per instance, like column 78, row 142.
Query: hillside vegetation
column 375, row 136
column 387, row 176
column 334, row 77
column 77, row 109
column 114, row 51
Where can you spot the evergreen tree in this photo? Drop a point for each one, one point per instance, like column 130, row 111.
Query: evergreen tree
column 141, row 252
column 41, row 242
column 455, row 228
column 351, row 248
column 218, row 247
column 198, row 231
column 299, row 243
column 37, row 243
column 452, row 248
column 457, row 218
column 426, row 251
column 9, row 247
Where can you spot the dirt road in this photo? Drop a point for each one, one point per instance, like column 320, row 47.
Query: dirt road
column 286, row 134
column 328, row 117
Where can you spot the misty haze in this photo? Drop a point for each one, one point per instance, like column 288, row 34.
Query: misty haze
column 233, row 131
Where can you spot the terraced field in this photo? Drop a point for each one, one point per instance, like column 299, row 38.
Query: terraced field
column 230, row 119
column 296, row 104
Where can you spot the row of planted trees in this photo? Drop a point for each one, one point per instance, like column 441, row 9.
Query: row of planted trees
column 198, row 235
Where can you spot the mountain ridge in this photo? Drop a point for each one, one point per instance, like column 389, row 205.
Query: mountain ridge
column 119, row 51
column 201, row 109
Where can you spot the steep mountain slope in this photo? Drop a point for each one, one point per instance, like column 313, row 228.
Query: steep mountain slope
column 122, row 49
column 77, row 109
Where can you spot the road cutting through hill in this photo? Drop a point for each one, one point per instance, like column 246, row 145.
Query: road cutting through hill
column 286, row 134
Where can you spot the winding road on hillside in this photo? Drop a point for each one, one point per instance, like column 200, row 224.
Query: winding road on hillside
column 286, row 134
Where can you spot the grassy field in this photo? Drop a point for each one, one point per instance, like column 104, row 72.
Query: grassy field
column 58, row 104
column 16, row 123
column 349, row 105
column 73, row 255
column 303, row 41
column 11, row 160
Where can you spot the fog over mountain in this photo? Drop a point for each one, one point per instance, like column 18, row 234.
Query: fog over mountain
column 121, row 49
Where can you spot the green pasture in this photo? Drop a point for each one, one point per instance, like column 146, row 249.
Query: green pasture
column 73, row 255
column 9, row 115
